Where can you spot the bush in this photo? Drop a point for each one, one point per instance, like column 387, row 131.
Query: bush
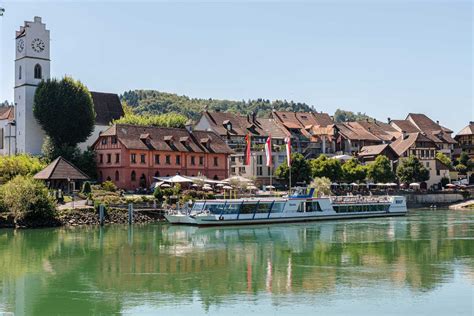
column 25, row 165
column 28, row 199
column 86, row 188
column 158, row 194
column 109, row 186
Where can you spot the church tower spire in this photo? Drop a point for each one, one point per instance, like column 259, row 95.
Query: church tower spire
column 32, row 65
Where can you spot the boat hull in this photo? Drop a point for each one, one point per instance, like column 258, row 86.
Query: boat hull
column 214, row 220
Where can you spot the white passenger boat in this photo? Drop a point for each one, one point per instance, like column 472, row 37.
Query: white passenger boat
column 299, row 207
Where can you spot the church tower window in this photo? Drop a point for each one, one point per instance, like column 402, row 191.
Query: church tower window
column 38, row 74
column 19, row 73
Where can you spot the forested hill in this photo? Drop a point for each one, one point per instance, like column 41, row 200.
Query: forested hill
column 155, row 102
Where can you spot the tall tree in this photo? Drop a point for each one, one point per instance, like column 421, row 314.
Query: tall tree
column 300, row 170
column 65, row 110
column 380, row 170
column 412, row 170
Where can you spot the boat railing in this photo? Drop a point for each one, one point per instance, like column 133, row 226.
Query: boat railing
column 359, row 199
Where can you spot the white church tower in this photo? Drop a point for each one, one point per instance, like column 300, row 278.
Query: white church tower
column 32, row 64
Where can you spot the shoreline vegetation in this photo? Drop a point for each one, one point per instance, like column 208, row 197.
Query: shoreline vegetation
column 80, row 217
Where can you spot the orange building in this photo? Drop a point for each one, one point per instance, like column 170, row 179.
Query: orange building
column 131, row 156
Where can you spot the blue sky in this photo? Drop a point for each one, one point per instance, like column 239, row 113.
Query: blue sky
column 385, row 58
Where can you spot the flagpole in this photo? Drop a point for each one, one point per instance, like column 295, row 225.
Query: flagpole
column 289, row 184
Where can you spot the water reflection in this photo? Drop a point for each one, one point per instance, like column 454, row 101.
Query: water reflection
column 112, row 269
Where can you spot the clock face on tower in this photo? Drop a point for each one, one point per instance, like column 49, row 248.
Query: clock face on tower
column 20, row 46
column 37, row 45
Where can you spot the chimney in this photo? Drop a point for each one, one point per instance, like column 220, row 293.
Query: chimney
column 254, row 117
column 37, row 19
column 404, row 134
column 437, row 122
column 248, row 118
column 389, row 120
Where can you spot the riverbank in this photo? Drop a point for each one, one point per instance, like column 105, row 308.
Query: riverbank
column 80, row 217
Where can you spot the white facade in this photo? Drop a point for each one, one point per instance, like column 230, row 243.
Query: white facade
column 32, row 64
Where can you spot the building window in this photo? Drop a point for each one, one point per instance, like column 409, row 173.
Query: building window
column 133, row 176
column 157, row 159
column 193, row 161
column 142, row 158
column 38, row 74
column 201, row 160
column 178, row 160
column 260, row 160
column 438, row 172
column 241, row 170
column 19, row 74
column 216, row 161
column 157, row 174
column 101, row 158
column 133, row 158
column 114, row 140
column 117, row 158
column 168, row 160
column 100, row 176
column 104, row 140
column 109, row 158
column 117, row 175
column 232, row 159
column 259, row 171
column 216, row 177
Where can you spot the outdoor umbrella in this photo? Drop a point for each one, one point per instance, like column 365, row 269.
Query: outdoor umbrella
column 450, row 185
column 252, row 187
column 270, row 187
column 354, row 184
column 219, row 185
column 227, row 187
column 165, row 185
column 414, row 184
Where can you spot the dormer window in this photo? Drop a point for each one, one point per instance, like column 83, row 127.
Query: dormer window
column 227, row 125
column 169, row 140
column 184, row 140
column 38, row 72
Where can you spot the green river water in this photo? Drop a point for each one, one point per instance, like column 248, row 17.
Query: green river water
column 421, row 264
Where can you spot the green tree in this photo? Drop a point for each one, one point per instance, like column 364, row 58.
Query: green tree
column 25, row 165
column 444, row 159
column 349, row 116
column 464, row 161
column 353, row 171
column 380, row 170
column 412, row 170
column 65, row 110
column 27, row 199
column 325, row 167
column 162, row 120
column 300, row 170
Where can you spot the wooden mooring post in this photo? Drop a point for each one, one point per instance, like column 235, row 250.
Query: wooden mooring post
column 101, row 214
column 130, row 214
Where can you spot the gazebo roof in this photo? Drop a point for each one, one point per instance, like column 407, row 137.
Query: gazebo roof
column 61, row 169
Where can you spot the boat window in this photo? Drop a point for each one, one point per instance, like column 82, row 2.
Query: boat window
column 301, row 207
column 231, row 208
column 278, row 207
column 263, row 207
column 198, row 206
column 313, row 206
column 247, row 208
column 213, row 208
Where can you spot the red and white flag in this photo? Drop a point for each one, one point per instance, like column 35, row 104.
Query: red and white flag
column 268, row 150
column 248, row 147
column 288, row 150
